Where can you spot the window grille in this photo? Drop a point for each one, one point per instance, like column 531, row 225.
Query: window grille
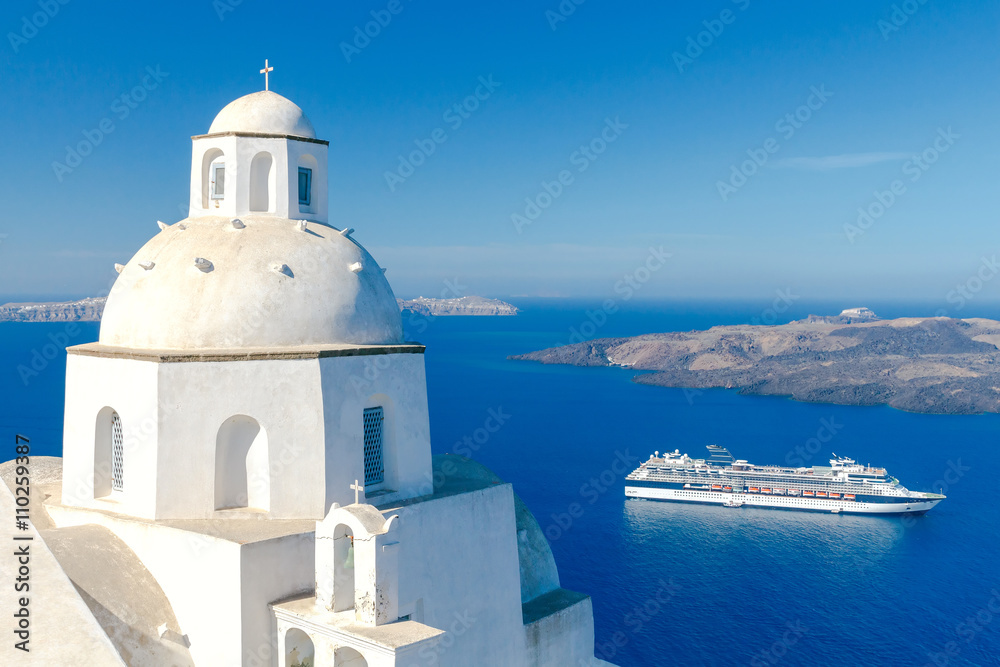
column 374, row 466
column 117, row 453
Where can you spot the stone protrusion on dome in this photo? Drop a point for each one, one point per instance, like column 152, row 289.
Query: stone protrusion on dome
column 268, row 285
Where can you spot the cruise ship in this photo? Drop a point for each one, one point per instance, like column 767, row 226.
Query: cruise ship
column 845, row 486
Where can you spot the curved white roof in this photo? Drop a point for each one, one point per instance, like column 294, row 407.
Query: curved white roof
column 206, row 283
column 265, row 112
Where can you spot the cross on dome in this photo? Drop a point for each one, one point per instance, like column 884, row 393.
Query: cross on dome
column 266, row 71
column 357, row 488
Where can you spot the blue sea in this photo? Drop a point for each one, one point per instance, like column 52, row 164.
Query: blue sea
column 680, row 584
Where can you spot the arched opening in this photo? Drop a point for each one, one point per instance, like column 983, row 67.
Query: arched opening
column 343, row 568
column 109, row 454
column 348, row 657
column 261, row 182
column 241, row 465
column 299, row 649
column 306, row 184
column 213, row 156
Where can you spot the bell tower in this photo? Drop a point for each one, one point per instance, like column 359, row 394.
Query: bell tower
column 260, row 157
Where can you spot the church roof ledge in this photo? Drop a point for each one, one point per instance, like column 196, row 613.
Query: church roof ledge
column 243, row 354
column 260, row 135
column 303, row 611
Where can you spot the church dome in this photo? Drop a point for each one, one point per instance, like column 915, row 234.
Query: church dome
column 265, row 112
column 260, row 282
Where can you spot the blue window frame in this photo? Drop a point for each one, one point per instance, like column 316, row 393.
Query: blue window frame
column 305, row 186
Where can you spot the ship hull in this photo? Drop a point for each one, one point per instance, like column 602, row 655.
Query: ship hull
column 885, row 506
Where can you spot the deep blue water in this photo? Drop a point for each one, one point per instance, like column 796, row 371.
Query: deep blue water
column 685, row 584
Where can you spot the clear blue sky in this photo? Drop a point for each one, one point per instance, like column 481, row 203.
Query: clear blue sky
column 656, row 185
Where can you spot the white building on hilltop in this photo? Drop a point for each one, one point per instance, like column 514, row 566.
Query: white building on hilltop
column 247, row 475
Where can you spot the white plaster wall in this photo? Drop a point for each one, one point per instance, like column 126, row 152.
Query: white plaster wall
column 351, row 384
column 563, row 638
column 239, row 152
column 200, row 575
column 458, row 572
column 130, row 387
column 318, row 211
column 271, row 570
column 197, row 398
column 199, row 147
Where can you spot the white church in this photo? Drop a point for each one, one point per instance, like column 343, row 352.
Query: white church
column 247, row 475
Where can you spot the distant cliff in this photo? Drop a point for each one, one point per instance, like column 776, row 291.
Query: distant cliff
column 91, row 309
column 85, row 310
column 937, row 365
column 465, row 305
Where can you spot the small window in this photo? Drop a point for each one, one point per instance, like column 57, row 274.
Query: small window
column 219, row 180
column 374, row 466
column 305, row 186
column 117, row 454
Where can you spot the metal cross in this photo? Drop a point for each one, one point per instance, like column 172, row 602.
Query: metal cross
column 357, row 488
column 267, row 70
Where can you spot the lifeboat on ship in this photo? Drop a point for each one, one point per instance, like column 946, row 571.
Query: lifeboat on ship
column 808, row 493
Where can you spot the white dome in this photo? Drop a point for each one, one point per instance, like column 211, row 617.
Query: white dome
column 265, row 112
column 267, row 284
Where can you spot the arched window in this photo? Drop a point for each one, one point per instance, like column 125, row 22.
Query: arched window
column 299, row 649
column 213, row 172
column 346, row 656
column 261, row 182
column 343, row 568
column 109, row 454
column 241, row 465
